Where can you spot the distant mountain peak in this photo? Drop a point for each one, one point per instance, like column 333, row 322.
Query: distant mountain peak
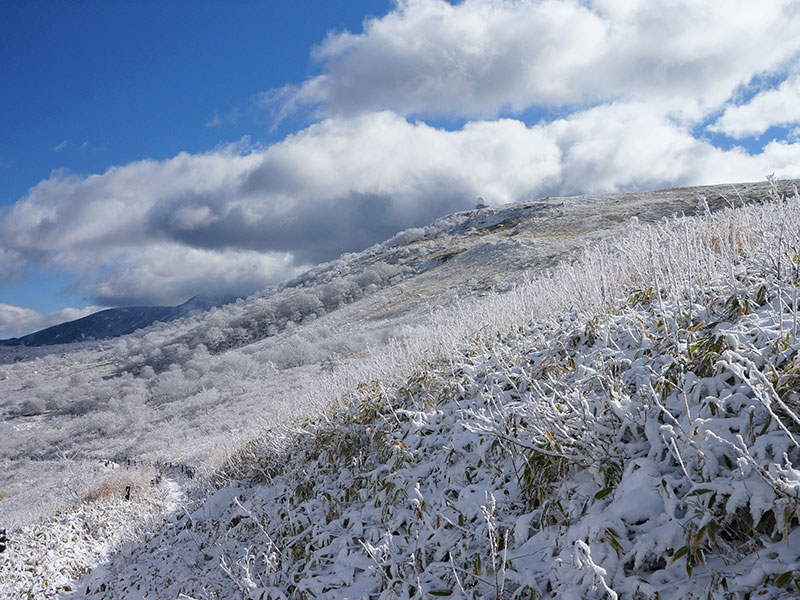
column 113, row 322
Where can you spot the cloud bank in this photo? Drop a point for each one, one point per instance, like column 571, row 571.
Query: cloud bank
column 479, row 58
column 637, row 90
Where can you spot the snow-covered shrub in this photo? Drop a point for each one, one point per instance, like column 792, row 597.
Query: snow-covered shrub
column 172, row 385
column 338, row 292
column 206, row 397
column 81, row 406
column 237, row 365
column 293, row 351
column 33, row 406
column 409, row 236
column 376, row 275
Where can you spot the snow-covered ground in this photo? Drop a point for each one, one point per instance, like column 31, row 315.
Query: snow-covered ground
column 508, row 426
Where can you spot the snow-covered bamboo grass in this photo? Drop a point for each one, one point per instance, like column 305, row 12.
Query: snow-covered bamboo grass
column 624, row 426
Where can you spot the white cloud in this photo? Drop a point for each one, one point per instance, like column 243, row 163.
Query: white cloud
column 238, row 218
column 61, row 146
column 634, row 147
column 16, row 321
column 12, row 263
column 479, row 58
column 170, row 273
column 216, row 121
column 779, row 106
column 234, row 219
column 632, row 77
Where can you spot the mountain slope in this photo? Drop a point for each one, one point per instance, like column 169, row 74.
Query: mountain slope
column 190, row 394
column 644, row 443
column 460, row 255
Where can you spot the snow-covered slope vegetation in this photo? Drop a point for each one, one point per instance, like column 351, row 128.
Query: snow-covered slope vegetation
column 482, row 419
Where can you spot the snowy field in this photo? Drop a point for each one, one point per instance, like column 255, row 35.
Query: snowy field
column 501, row 404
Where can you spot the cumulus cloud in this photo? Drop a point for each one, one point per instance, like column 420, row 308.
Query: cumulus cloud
column 632, row 147
column 779, row 106
column 16, row 321
column 170, row 273
column 234, row 220
column 239, row 218
column 481, row 58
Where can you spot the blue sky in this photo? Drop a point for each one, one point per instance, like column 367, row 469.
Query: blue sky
column 92, row 84
column 150, row 151
column 118, row 81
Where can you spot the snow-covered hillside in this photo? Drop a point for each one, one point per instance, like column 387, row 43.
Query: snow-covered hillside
column 504, row 415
